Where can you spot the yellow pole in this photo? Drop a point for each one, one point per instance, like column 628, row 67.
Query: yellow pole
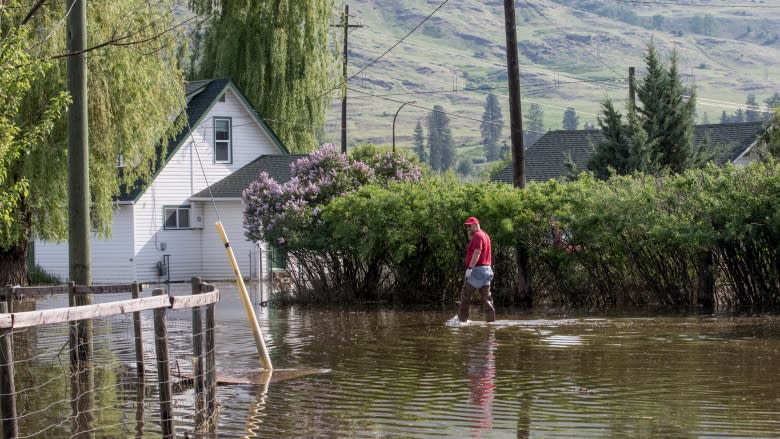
column 265, row 360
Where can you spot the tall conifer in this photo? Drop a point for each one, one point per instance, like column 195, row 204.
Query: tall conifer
column 440, row 143
column 419, row 143
column 491, row 126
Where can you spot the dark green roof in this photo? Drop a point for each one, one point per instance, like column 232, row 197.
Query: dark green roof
column 546, row 159
column 201, row 96
column 232, row 186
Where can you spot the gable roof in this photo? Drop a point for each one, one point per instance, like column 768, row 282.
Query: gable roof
column 733, row 138
column 201, row 96
column 278, row 167
column 546, row 159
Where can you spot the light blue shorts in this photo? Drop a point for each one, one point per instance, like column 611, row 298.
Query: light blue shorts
column 481, row 275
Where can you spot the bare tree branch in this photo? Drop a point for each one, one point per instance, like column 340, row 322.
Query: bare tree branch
column 32, row 12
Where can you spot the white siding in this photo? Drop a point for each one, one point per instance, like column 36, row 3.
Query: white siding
column 215, row 261
column 139, row 240
column 182, row 177
column 112, row 259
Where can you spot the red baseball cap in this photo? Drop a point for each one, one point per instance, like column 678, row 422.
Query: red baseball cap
column 471, row 220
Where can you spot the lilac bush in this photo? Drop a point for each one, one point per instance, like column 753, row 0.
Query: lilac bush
column 288, row 215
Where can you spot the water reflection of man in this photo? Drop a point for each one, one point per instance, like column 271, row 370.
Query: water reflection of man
column 481, row 376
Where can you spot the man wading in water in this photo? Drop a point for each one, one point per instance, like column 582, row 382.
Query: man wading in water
column 478, row 273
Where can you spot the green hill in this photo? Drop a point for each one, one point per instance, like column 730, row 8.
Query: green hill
column 573, row 53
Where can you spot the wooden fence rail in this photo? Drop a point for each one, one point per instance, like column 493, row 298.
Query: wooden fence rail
column 204, row 296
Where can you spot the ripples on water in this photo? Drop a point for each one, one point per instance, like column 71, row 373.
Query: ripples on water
column 405, row 374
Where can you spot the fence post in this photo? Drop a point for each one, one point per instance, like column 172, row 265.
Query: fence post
column 9, row 297
column 7, row 388
column 135, row 289
column 163, row 370
column 197, row 355
column 82, row 378
column 211, row 363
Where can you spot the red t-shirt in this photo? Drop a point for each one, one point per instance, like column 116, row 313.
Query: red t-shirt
column 480, row 241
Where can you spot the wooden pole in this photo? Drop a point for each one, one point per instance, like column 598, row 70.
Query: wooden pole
column 265, row 360
column 344, row 88
column 163, row 370
column 515, row 106
column 518, row 150
column 9, row 297
column 140, row 394
column 82, row 378
column 138, row 335
column 197, row 355
column 211, row 363
column 7, row 387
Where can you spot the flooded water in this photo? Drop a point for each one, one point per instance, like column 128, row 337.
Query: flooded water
column 405, row 374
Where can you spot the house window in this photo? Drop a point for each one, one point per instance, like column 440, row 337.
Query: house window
column 222, row 140
column 177, row 217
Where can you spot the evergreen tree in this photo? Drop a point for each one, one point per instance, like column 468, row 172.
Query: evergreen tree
column 613, row 152
column 769, row 143
column 724, row 118
column 772, row 102
column 440, row 144
column 491, row 126
column 570, row 119
column 134, row 87
column 658, row 133
column 419, row 143
column 533, row 124
column 667, row 116
column 278, row 53
column 751, row 113
column 465, row 167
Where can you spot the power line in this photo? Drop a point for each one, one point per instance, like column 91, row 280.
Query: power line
column 697, row 5
column 438, row 111
column 401, row 40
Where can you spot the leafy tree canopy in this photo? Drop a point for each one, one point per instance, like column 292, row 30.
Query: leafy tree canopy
column 278, row 53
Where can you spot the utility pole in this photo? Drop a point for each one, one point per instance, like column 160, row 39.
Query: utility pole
column 345, row 24
column 78, row 146
column 80, row 271
column 631, row 89
column 516, row 130
column 515, row 109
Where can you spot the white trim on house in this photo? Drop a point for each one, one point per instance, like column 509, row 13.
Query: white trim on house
column 746, row 156
column 139, row 241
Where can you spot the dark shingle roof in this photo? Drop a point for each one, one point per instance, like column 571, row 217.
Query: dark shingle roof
column 728, row 139
column 546, row 159
column 232, row 186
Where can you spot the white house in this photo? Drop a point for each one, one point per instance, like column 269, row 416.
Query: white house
column 164, row 230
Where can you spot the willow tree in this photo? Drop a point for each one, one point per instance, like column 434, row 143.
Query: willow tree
column 277, row 52
column 135, row 89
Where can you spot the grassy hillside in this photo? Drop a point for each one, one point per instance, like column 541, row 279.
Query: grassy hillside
column 573, row 53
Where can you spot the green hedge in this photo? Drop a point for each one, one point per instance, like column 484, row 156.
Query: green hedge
column 637, row 240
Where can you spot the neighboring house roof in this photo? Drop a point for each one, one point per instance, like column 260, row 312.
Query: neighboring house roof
column 232, row 186
column 201, row 96
column 733, row 139
column 547, row 158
